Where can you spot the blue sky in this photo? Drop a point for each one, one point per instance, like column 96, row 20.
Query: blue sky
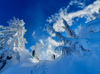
column 34, row 13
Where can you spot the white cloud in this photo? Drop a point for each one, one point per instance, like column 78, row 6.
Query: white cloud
column 49, row 47
column 80, row 4
column 41, row 41
column 52, row 42
column 33, row 34
column 86, row 13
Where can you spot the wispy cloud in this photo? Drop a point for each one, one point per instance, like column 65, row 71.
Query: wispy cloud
column 33, row 34
column 41, row 41
column 79, row 4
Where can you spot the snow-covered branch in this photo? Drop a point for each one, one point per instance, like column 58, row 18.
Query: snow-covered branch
column 68, row 29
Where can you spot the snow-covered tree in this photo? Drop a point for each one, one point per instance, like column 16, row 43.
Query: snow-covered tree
column 36, row 50
column 12, row 41
column 71, row 43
